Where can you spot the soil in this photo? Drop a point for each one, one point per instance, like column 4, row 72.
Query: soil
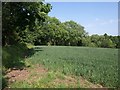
column 39, row 71
column 24, row 74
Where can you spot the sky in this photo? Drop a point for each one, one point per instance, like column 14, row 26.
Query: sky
column 96, row 17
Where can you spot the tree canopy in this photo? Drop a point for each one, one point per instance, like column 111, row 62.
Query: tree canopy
column 20, row 20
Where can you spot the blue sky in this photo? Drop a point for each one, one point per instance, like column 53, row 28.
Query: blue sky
column 96, row 17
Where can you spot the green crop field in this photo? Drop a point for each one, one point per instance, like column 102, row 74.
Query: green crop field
column 97, row 65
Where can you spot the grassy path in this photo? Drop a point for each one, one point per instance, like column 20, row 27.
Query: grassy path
column 39, row 77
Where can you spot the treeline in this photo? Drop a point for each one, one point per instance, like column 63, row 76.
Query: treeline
column 70, row 33
column 28, row 22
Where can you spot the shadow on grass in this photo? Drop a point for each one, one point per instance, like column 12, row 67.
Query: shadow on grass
column 13, row 57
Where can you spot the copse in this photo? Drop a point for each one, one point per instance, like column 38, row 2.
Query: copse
column 70, row 33
column 54, row 32
column 105, row 41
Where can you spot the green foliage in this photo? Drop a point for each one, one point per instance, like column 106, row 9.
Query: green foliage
column 87, row 62
column 105, row 41
column 21, row 19
column 11, row 56
column 53, row 32
column 69, row 33
column 4, row 82
column 86, row 41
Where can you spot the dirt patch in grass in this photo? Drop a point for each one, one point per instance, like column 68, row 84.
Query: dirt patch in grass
column 76, row 82
column 67, row 81
column 86, row 84
column 25, row 74
column 17, row 75
column 31, row 75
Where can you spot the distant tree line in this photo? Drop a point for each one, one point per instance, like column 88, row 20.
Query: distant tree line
column 70, row 33
column 28, row 22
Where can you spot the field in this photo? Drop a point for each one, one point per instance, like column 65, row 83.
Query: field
column 96, row 65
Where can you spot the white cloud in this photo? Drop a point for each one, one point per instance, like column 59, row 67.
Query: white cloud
column 100, row 26
column 101, row 22
column 97, row 19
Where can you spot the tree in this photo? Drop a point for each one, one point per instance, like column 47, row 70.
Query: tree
column 107, row 43
column 51, row 32
column 105, row 35
column 86, row 41
column 95, row 39
column 20, row 20
column 75, row 31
